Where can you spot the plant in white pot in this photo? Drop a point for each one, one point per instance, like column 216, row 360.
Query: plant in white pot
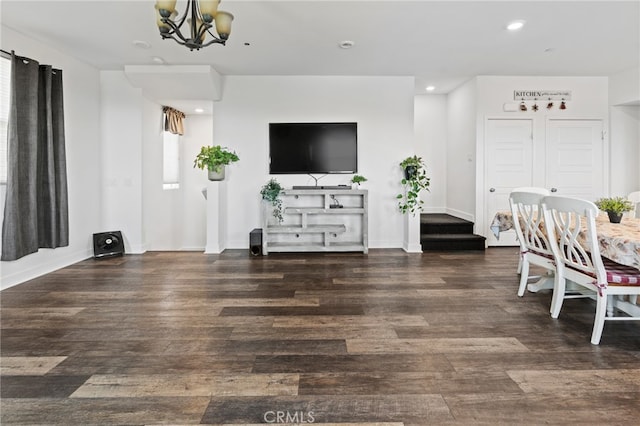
column 214, row 159
column 615, row 207
column 358, row 180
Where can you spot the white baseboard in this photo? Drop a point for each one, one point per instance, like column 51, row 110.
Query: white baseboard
column 461, row 215
column 43, row 268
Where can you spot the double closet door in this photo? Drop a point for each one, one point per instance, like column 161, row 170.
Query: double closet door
column 569, row 159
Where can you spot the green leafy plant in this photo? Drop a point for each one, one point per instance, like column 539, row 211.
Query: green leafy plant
column 358, row 179
column 271, row 193
column 414, row 161
column 213, row 158
column 414, row 181
column 614, row 204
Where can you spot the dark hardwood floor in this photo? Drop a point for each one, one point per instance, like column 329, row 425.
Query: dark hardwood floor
column 387, row 338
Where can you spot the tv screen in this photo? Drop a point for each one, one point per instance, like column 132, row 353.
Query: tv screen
column 305, row 148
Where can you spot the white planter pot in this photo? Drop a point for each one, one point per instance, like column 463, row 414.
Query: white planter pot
column 216, row 176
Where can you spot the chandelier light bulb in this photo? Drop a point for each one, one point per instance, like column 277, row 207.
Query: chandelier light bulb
column 200, row 19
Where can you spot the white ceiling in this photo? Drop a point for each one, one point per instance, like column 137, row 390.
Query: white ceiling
column 442, row 43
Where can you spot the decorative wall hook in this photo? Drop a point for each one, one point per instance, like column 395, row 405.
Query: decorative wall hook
column 550, row 104
column 535, row 105
column 523, row 106
column 563, row 105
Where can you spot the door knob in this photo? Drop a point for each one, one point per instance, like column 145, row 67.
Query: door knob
column 554, row 189
column 492, row 190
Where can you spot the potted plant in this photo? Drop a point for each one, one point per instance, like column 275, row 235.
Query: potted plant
column 615, row 207
column 415, row 180
column 357, row 180
column 411, row 165
column 271, row 193
column 214, row 158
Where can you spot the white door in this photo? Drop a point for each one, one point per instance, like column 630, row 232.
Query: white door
column 575, row 158
column 509, row 164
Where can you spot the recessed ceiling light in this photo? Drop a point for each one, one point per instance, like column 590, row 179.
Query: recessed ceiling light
column 141, row 44
column 157, row 59
column 515, row 25
column 346, row 44
column 430, row 88
column 199, row 110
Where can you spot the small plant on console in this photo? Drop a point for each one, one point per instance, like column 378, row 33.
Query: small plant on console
column 358, row 179
column 271, row 193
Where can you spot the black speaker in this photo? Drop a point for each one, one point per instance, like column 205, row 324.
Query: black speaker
column 255, row 242
column 108, row 244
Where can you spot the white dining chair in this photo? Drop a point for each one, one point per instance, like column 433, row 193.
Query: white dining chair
column 526, row 212
column 536, row 190
column 572, row 224
column 634, row 197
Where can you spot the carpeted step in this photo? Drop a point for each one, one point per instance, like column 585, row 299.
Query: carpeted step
column 447, row 242
column 435, row 223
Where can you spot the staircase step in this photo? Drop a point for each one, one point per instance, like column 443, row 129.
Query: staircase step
column 452, row 242
column 437, row 223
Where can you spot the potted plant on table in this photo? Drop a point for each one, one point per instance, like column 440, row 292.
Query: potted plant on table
column 615, row 207
column 214, row 158
column 357, row 180
column 271, row 193
column 415, row 180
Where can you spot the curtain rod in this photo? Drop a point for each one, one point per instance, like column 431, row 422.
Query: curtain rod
column 7, row 55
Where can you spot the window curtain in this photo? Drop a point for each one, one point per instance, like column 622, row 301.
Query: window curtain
column 173, row 120
column 36, row 206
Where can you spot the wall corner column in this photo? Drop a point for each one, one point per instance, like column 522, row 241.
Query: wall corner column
column 216, row 216
column 411, row 239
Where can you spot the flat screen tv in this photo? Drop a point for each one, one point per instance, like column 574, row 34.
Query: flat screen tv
column 306, row 148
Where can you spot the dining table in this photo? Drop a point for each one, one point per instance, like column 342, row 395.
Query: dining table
column 619, row 242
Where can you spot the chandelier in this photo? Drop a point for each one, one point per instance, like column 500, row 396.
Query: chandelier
column 201, row 16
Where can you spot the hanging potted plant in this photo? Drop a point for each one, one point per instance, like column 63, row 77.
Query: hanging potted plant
column 615, row 207
column 415, row 180
column 214, row 159
column 357, row 180
column 271, row 194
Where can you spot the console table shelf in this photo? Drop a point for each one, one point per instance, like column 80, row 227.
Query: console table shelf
column 311, row 224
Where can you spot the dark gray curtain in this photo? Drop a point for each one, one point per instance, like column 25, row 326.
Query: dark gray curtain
column 36, row 207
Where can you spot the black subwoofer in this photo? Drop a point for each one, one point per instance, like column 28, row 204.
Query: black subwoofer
column 108, row 244
column 255, row 242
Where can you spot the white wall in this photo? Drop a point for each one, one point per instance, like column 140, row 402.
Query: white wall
column 430, row 122
column 461, row 150
column 624, row 87
column 625, row 149
column 198, row 132
column 383, row 108
column 122, row 109
column 174, row 219
column 624, row 98
column 82, row 131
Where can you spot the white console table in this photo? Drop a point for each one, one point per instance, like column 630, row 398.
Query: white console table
column 312, row 224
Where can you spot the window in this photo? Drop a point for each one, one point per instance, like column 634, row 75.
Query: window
column 5, row 80
column 170, row 161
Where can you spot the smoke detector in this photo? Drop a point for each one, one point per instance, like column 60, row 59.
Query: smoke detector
column 346, row 44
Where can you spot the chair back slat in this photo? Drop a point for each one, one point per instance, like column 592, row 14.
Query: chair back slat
column 572, row 220
column 527, row 216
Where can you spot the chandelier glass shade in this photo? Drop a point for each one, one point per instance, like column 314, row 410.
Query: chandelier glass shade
column 202, row 17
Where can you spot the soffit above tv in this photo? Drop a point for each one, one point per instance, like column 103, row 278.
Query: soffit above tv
column 179, row 82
